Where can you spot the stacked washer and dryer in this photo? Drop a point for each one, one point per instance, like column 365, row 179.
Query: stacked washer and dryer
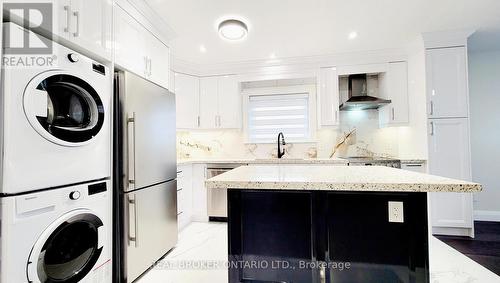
column 55, row 203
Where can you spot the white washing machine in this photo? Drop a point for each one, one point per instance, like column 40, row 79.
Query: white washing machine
column 56, row 122
column 61, row 235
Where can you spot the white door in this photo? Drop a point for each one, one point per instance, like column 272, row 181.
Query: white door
column 63, row 18
column 159, row 61
column 449, row 156
column 328, row 101
column 395, row 87
column 187, row 94
column 229, row 103
column 446, row 70
column 209, row 102
column 90, row 25
column 129, row 51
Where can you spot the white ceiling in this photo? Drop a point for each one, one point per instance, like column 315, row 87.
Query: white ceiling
column 294, row 28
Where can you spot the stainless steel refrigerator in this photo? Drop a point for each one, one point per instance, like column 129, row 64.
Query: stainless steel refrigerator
column 145, row 172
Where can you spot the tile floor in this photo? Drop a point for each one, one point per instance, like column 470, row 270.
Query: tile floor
column 484, row 248
column 202, row 250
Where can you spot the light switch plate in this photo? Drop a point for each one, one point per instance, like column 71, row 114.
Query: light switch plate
column 396, row 212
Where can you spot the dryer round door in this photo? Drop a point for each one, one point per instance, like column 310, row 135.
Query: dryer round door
column 63, row 108
column 68, row 249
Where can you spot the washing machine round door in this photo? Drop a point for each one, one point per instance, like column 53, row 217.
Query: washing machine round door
column 63, row 108
column 68, row 249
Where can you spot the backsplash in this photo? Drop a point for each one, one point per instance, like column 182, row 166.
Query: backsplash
column 367, row 140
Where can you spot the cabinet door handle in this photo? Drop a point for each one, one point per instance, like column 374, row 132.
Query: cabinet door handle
column 150, row 66
column 432, row 108
column 216, row 123
column 432, row 128
column 132, row 233
column 131, row 150
column 413, row 165
column 198, row 118
column 77, row 16
column 145, row 66
column 68, row 17
column 218, row 117
column 392, row 109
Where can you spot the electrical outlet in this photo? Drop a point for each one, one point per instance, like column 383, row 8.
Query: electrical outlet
column 396, row 214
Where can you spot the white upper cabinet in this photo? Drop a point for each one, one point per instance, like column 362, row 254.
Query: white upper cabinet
column 90, row 25
column 328, row 98
column 209, row 102
column 229, row 103
column 129, row 49
column 220, row 103
column 394, row 86
column 139, row 51
column 159, row 61
column 446, row 70
column 187, row 101
column 449, row 156
column 83, row 25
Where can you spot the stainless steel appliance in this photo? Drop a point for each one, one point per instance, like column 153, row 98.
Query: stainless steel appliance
column 145, row 160
column 217, row 198
column 374, row 161
column 358, row 95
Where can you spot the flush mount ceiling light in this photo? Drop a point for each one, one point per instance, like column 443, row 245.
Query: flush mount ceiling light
column 353, row 35
column 233, row 30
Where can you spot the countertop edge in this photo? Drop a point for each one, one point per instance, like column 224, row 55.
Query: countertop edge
column 367, row 187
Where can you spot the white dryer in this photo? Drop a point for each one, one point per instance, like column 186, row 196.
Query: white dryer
column 56, row 122
column 61, row 235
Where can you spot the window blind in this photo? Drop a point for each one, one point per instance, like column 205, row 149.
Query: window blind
column 270, row 114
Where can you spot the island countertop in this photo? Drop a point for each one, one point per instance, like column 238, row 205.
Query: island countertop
column 336, row 178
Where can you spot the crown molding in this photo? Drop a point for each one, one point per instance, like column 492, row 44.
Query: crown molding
column 448, row 38
column 149, row 18
column 291, row 64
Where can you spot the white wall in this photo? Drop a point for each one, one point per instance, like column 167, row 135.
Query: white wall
column 484, row 88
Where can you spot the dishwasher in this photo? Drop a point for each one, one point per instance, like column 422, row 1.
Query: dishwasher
column 217, row 198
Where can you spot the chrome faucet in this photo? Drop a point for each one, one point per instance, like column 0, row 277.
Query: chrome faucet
column 280, row 143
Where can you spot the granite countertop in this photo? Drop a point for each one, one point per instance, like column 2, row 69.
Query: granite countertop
column 339, row 161
column 336, row 178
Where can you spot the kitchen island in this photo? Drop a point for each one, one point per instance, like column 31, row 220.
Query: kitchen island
column 329, row 223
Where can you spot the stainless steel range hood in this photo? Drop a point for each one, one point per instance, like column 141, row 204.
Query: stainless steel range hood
column 358, row 98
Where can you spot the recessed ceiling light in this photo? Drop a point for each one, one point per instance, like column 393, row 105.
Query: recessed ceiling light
column 353, row 35
column 203, row 49
column 233, row 30
column 272, row 56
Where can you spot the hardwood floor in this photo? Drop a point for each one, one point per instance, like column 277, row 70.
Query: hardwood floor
column 484, row 249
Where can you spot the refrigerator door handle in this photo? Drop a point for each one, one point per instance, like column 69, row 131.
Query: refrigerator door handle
column 132, row 206
column 131, row 151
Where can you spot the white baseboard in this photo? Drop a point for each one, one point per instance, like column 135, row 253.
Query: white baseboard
column 199, row 218
column 487, row 215
column 451, row 231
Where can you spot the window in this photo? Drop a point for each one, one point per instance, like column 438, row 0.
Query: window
column 270, row 114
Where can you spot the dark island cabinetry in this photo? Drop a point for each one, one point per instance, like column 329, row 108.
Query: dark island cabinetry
column 319, row 236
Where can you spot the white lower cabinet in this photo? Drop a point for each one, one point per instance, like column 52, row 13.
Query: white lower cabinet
column 184, row 195
column 449, row 156
column 199, row 193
